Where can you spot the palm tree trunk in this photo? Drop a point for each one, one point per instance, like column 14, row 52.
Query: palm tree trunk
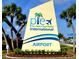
column 22, row 27
column 73, row 30
column 17, row 38
column 73, row 38
column 11, row 26
column 17, row 41
column 4, row 34
column 12, row 33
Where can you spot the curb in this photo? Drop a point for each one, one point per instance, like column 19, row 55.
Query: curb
column 10, row 56
column 39, row 57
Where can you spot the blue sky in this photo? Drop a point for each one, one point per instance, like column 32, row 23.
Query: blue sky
column 59, row 5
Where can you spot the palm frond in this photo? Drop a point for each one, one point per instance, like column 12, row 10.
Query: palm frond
column 63, row 15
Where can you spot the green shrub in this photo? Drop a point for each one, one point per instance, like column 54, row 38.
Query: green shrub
column 32, row 51
column 64, row 50
column 36, row 52
column 43, row 51
column 52, row 52
column 39, row 51
column 22, row 52
column 47, row 52
column 17, row 51
column 26, row 52
column 59, row 52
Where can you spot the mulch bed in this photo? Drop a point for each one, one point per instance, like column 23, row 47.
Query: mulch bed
column 39, row 55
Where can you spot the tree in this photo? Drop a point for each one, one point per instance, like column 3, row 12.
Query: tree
column 12, row 11
column 68, row 15
column 60, row 36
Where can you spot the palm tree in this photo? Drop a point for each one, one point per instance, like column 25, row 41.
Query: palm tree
column 38, row 15
column 21, row 22
column 60, row 36
column 12, row 11
column 68, row 15
column 4, row 16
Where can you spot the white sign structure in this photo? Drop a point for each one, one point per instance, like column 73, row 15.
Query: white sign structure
column 41, row 30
